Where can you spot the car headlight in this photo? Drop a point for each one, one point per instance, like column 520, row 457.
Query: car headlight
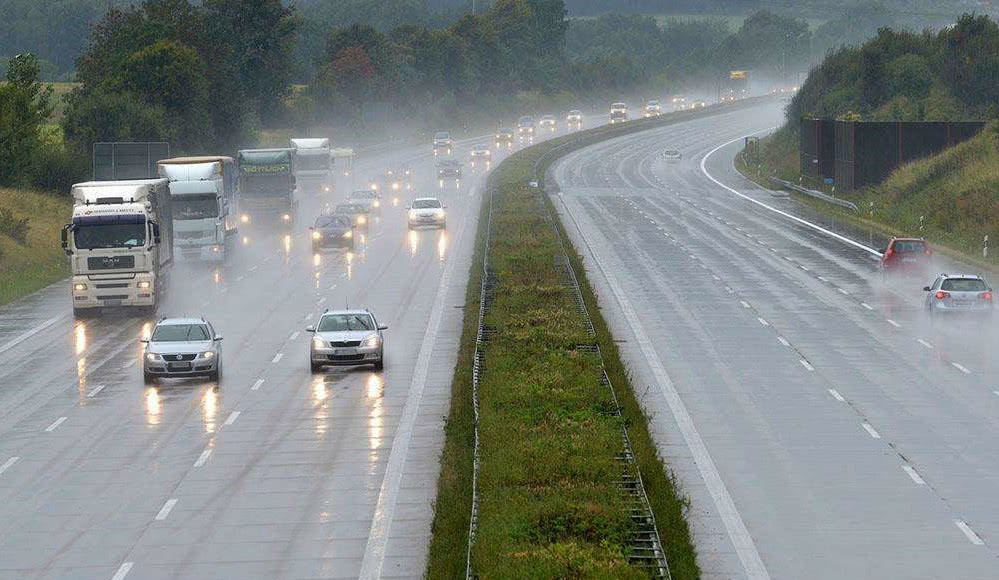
column 348, row 234
column 374, row 186
column 152, row 357
column 244, row 218
column 372, row 341
column 361, row 219
column 207, row 355
column 395, row 186
column 378, row 203
column 286, row 217
column 316, row 235
column 143, row 284
column 318, row 342
column 79, row 287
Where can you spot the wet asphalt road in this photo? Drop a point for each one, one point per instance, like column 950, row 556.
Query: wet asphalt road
column 820, row 425
column 273, row 472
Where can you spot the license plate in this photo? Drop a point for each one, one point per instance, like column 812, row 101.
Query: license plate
column 908, row 260
column 113, row 302
column 344, row 351
column 180, row 366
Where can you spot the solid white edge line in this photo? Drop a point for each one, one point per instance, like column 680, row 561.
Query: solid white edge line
column 381, row 521
column 7, row 464
column 32, row 332
column 969, row 533
column 203, row 458
column 913, row 475
column 741, row 539
column 55, row 424
column 871, row 430
column 256, row 385
column 123, row 571
column 294, row 335
column 836, row 395
column 232, row 418
column 165, row 510
column 775, row 210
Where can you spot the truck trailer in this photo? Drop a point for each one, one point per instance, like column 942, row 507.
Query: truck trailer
column 204, row 203
column 120, row 243
column 267, row 183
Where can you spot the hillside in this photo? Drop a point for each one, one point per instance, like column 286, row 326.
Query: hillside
column 25, row 268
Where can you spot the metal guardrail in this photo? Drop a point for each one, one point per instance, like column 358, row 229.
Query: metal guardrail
column 816, row 194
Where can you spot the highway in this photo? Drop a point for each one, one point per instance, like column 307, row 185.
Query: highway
column 821, row 427
column 273, row 472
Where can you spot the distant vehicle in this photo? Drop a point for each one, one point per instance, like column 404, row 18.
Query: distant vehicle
column 343, row 160
column 618, row 112
column 182, row 347
column 672, row 155
column 427, row 211
column 267, row 182
column 332, row 230
column 504, row 136
column 120, row 243
column 679, row 102
column 906, row 256
column 959, row 294
column 548, row 122
column 313, row 164
column 369, row 197
column 359, row 213
column 448, row 168
column 443, row 144
column 728, row 96
column 525, row 126
column 653, row 109
column 203, row 190
column 347, row 338
column 574, row 118
column 481, row 152
column 699, row 104
column 394, row 180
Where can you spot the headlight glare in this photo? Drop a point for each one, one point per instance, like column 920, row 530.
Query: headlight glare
column 318, row 342
column 348, row 234
column 79, row 287
column 208, row 355
column 152, row 357
column 372, row 341
column 144, row 284
column 316, row 235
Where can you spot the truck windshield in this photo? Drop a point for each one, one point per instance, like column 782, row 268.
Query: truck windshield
column 115, row 235
column 195, row 207
column 312, row 161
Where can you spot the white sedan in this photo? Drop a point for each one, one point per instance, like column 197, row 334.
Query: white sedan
column 427, row 211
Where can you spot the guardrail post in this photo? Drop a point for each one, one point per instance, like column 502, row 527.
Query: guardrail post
column 985, row 247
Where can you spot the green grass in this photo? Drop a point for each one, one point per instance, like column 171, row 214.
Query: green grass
column 27, row 268
column 549, row 507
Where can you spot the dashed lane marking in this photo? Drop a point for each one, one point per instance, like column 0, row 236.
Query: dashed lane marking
column 25, row 336
column 866, row 305
column 913, row 475
column 783, row 341
column 969, row 533
column 7, row 464
column 165, row 510
column 808, row 366
column 277, row 357
column 257, row 384
column 93, row 393
column 203, row 458
column 123, row 571
column 924, row 343
column 961, row 368
column 871, row 431
column 835, row 394
column 232, row 418
column 55, row 424
column 893, row 323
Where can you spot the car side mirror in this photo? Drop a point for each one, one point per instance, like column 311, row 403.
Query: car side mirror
column 443, row 206
column 926, row 288
column 144, row 340
column 64, row 235
column 383, row 328
column 218, row 337
column 156, row 232
column 310, row 328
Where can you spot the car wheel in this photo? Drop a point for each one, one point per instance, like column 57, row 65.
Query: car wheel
column 148, row 378
column 380, row 365
column 316, row 367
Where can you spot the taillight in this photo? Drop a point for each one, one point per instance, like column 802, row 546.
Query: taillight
column 987, row 296
column 929, row 252
column 889, row 252
column 941, row 295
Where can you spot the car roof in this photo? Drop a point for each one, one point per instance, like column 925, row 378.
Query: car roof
column 426, row 199
column 965, row 276
column 348, row 311
column 172, row 321
column 908, row 240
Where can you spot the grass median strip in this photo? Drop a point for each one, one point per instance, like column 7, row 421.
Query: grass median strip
column 550, row 500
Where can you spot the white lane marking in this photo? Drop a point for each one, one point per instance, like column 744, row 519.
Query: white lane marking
column 744, row 304
column 913, row 475
column 996, row 393
column 871, row 430
column 55, row 424
column 843, row 292
column 7, row 464
column 123, row 571
column 822, row 278
column 239, row 278
column 232, row 418
column 836, row 395
column 805, row 268
column 203, row 458
column 165, row 510
column 866, row 305
column 254, row 268
column 381, row 522
column 205, row 303
column 783, row 341
column 294, row 335
column 775, row 210
column 332, row 286
column 969, row 533
column 129, row 364
column 924, row 343
column 277, row 357
column 808, row 366
column 321, row 300
column 734, row 525
column 94, row 392
column 893, row 323
column 729, row 289
column 961, row 368
column 25, row 336
column 762, row 321
column 257, row 384
column 716, row 278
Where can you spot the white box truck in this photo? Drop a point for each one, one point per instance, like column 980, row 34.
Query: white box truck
column 313, row 165
column 119, row 243
column 204, row 203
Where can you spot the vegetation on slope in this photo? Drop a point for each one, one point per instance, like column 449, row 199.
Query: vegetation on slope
column 35, row 260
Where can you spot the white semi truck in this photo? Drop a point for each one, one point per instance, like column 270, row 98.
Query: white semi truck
column 120, row 243
column 204, row 203
column 313, row 165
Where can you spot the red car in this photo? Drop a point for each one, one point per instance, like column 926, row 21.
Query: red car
column 910, row 256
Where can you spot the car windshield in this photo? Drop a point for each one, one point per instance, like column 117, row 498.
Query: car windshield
column 363, row 194
column 442, row 135
column 115, row 235
column 195, row 207
column 426, row 203
column 672, row 152
column 526, row 120
column 909, row 246
column 332, row 221
column 180, row 333
column 505, row 130
column 351, row 208
column 345, row 322
column 964, row 285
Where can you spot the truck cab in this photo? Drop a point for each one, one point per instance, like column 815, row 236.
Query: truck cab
column 443, row 144
column 313, row 165
column 204, row 203
column 618, row 113
column 267, row 185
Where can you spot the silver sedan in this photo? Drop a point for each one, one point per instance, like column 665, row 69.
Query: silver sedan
column 347, row 338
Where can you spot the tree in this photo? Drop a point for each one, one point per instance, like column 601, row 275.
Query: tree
column 24, row 107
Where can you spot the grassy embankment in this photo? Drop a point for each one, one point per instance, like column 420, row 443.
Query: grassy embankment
column 26, row 267
column 549, row 506
column 956, row 191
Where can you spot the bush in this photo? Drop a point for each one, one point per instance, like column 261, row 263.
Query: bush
column 13, row 226
column 57, row 168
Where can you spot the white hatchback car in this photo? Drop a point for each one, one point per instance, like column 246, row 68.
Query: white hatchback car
column 427, row 211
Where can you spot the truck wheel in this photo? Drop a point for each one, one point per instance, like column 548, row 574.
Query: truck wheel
column 81, row 312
